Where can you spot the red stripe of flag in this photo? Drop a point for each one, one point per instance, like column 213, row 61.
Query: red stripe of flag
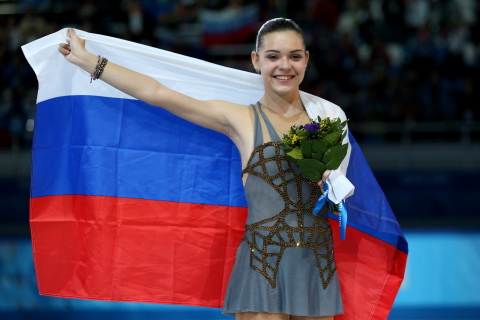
column 124, row 249
column 84, row 246
column 370, row 273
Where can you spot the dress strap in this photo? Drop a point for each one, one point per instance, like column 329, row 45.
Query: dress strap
column 273, row 134
column 258, row 128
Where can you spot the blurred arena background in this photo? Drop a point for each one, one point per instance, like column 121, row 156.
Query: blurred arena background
column 406, row 72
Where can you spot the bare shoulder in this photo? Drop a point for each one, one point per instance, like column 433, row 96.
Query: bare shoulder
column 238, row 116
column 239, row 123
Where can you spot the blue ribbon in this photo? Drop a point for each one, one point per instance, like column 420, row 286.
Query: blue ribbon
column 343, row 217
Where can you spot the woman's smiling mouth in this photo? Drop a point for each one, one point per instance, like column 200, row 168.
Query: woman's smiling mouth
column 283, row 78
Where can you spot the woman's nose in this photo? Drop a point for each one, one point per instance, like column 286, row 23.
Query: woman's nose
column 284, row 64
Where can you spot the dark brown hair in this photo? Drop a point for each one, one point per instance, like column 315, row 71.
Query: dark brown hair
column 276, row 25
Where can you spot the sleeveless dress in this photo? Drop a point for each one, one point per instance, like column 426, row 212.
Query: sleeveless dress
column 285, row 262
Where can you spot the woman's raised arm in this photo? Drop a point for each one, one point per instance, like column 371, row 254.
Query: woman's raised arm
column 217, row 115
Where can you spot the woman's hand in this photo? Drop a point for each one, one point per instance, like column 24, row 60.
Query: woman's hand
column 325, row 176
column 75, row 51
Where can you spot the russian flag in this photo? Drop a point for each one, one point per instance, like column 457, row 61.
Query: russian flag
column 229, row 25
column 131, row 203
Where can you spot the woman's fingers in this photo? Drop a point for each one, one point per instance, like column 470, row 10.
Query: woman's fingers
column 64, row 48
column 63, row 51
column 76, row 43
column 74, row 49
column 326, row 174
column 71, row 32
column 73, row 36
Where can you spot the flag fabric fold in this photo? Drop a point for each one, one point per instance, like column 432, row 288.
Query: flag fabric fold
column 131, row 203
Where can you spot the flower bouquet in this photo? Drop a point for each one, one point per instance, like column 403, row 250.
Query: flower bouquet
column 314, row 148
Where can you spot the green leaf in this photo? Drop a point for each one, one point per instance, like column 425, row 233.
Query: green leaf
column 296, row 153
column 287, row 149
column 344, row 134
column 334, row 208
column 328, row 145
column 317, row 156
column 313, row 169
column 335, row 152
column 344, row 123
column 334, row 164
column 332, row 138
column 319, row 146
column 335, row 125
column 334, row 156
column 302, row 134
column 306, row 149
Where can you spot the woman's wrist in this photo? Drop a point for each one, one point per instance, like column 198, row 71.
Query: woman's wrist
column 88, row 61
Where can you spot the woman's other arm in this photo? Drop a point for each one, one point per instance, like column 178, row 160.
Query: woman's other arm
column 217, row 115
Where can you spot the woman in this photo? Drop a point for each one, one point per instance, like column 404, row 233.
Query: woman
column 284, row 267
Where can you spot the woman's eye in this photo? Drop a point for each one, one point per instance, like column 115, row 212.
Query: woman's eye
column 296, row 57
column 271, row 57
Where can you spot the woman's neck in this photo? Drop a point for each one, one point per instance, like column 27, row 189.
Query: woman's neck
column 285, row 106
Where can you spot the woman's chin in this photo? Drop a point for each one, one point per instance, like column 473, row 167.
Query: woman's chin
column 284, row 90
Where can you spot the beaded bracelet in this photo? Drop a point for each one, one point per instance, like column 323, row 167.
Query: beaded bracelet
column 101, row 63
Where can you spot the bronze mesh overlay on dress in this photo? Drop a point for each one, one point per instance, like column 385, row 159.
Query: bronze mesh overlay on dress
column 278, row 233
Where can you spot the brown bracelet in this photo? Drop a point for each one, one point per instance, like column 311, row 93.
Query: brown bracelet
column 100, row 68
column 96, row 67
column 101, row 63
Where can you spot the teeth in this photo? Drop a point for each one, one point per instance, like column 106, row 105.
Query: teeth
column 283, row 77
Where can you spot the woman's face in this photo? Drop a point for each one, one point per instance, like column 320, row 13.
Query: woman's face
column 281, row 61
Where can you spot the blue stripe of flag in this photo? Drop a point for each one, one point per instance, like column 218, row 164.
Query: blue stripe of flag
column 368, row 207
column 90, row 145
column 115, row 147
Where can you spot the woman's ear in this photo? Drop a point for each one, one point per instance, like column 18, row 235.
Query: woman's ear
column 307, row 56
column 254, row 57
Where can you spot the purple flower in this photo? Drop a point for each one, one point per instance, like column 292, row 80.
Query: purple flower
column 340, row 126
column 312, row 127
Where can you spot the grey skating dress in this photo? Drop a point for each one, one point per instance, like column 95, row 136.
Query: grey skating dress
column 285, row 262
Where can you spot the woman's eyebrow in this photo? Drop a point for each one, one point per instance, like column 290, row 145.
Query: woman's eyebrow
column 271, row 50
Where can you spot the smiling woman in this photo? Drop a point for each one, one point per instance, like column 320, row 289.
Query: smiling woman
column 281, row 58
column 285, row 266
